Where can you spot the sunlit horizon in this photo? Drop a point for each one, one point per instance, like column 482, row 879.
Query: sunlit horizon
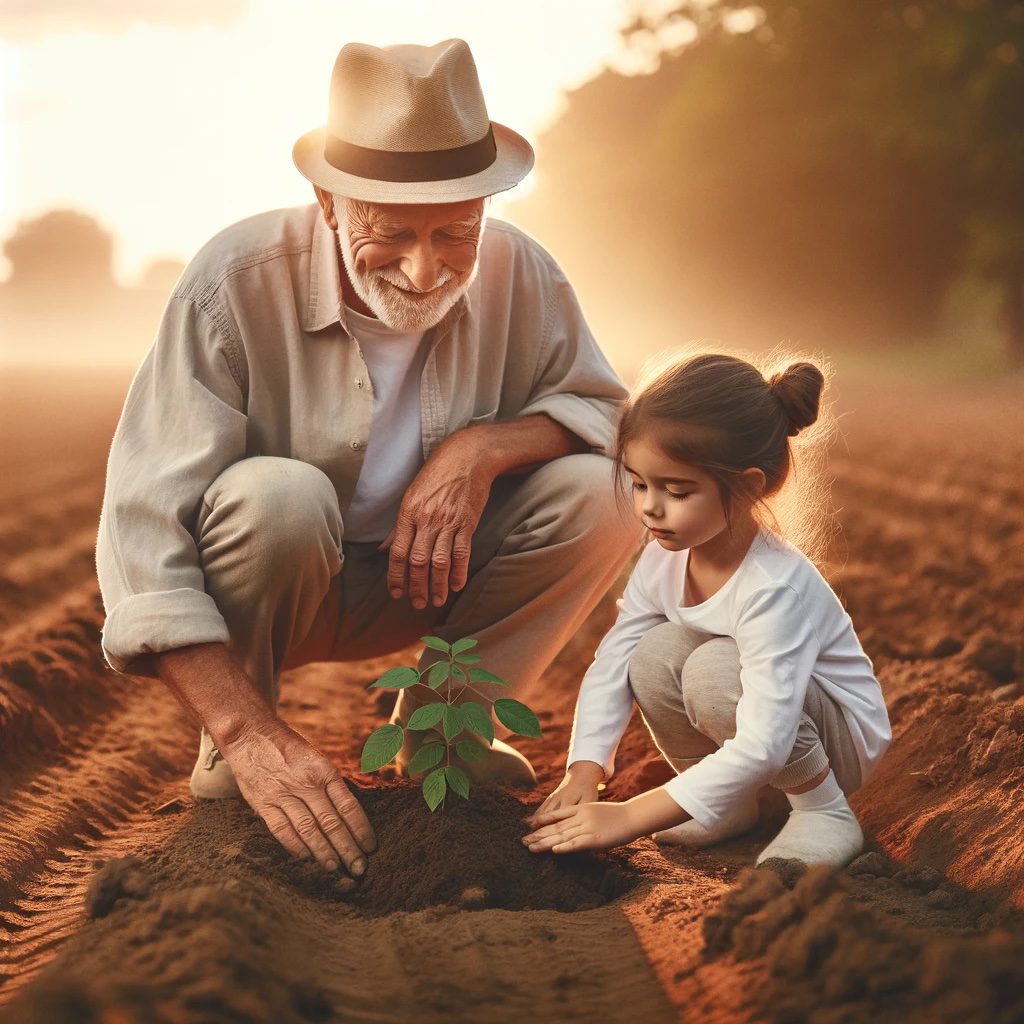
column 167, row 133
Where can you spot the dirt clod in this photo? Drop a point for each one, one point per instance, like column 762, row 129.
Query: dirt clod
column 832, row 956
column 992, row 654
column 473, row 898
column 123, row 878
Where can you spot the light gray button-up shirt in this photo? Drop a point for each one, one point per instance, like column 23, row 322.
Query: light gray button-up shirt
column 253, row 357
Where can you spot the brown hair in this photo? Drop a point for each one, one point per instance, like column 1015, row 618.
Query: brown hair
column 724, row 415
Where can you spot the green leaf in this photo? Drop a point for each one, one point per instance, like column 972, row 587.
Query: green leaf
column 381, row 747
column 468, row 659
column 463, row 645
column 459, row 673
column 478, row 720
column 517, row 717
column 434, row 788
column 481, row 675
column 456, row 779
column 427, row 716
column 426, row 757
column 454, row 722
column 470, row 750
column 436, row 643
column 397, row 679
column 437, row 674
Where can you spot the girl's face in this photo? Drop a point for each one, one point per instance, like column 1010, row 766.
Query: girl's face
column 678, row 502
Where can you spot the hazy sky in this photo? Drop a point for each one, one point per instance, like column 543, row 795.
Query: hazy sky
column 168, row 120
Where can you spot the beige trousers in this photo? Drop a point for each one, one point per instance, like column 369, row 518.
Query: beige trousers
column 292, row 590
column 687, row 685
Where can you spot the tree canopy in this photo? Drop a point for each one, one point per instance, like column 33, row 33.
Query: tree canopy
column 821, row 170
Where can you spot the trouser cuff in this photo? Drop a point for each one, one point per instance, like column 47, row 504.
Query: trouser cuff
column 802, row 770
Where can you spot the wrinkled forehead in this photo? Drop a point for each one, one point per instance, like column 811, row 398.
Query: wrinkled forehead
column 463, row 217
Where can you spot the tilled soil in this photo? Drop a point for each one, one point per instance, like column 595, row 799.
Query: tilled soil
column 121, row 900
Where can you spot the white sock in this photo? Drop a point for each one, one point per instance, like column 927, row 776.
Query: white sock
column 821, row 828
column 741, row 817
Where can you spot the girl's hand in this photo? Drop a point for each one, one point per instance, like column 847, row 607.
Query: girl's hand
column 578, row 787
column 589, row 826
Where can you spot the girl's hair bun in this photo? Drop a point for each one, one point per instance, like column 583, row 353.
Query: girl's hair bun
column 798, row 387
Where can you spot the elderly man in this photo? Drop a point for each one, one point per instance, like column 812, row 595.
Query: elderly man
column 361, row 421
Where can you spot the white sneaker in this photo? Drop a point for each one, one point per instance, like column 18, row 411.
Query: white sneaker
column 212, row 777
column 504, row 765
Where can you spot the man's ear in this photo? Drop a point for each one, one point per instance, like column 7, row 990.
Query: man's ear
column 326, row 201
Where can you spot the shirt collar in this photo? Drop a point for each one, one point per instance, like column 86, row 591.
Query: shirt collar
column 325, row 300
column 325, row 303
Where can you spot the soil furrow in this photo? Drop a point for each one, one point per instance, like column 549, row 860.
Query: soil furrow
column 215, row 921
column 43, row 522
column 103, row 773
column 39, row 576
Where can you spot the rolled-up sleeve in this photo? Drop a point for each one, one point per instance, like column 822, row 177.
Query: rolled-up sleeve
column 182, row 424
column 575, row 384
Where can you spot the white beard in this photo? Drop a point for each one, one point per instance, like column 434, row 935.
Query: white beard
column 393, row 298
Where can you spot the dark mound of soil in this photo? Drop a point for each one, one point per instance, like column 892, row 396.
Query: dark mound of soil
column 470, row 854
column 834, row 956
column 221, row 924
column 466, row 854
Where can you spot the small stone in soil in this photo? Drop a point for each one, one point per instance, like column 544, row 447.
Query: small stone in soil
column 473, row 898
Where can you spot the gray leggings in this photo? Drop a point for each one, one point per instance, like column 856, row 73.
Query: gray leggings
column 687, row 685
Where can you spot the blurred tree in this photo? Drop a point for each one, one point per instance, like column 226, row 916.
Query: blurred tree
column 814, row 168
column 161, row 275
column 61, row 303
column 61, row 250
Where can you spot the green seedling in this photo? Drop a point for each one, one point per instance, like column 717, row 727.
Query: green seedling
column 448, row 718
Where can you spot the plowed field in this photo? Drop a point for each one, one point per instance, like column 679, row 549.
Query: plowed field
column 120, row 900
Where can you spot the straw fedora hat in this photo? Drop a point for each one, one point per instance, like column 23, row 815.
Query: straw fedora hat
column 408, row 124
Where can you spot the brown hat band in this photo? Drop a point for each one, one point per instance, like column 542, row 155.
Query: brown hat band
column 431, row 165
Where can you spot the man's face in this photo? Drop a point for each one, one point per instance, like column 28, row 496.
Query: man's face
column 410, row 263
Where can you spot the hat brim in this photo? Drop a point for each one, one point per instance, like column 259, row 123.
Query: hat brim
column 512, row 163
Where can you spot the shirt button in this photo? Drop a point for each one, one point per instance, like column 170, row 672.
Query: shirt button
column 359, row 382
column 357, row 444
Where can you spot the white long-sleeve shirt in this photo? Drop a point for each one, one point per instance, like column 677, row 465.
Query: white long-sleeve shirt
column 789, row 627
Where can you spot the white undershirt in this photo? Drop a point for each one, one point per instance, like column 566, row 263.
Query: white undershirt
column 789, row 627
column 394, row 451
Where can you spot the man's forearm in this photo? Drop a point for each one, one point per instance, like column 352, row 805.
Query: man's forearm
column 521, row 445
column 207, row 681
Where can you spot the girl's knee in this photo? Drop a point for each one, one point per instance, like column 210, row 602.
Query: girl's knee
column 656, row 663
column 711, row 687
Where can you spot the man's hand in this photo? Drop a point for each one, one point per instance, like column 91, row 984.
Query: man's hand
column 298, row 792
column 432, row 539
column 578, row 787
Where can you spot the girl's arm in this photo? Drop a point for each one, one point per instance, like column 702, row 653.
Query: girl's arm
column 599, row 826
column 778, row 649
column 605, row 701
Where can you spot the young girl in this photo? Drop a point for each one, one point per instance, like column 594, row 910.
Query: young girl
column 744, row 663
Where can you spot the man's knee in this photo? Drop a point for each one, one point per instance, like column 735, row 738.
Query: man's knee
column 582, row 490
column 711, row 687
column 275, row 510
